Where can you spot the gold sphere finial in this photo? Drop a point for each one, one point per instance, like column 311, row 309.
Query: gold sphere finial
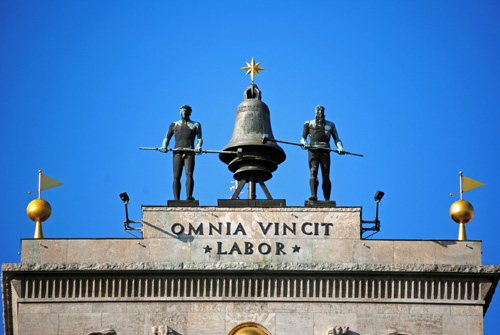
column 461, row 211
column 39, row 210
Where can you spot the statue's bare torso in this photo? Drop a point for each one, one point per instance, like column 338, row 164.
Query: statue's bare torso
column 185, row 133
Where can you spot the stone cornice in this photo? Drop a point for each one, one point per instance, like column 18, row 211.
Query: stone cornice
column 267, row 267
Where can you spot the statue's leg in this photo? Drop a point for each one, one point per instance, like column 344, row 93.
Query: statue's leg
column 189, row 168
column 313, row 168
column 325, row 173
column 178, row 163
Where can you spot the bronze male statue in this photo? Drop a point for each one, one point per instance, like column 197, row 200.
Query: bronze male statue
column 319, row 131
column 185, row 130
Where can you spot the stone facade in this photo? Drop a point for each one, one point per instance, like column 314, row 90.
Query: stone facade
column 214, row 270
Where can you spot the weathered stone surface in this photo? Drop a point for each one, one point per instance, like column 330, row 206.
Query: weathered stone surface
column 465, row 252
column 170, row 250
column 300, row 222
column 430, row 309
column 374, row 252
column 33, row 323
column 418, row 252
column 39, row 249
column 315, row 267
column 35, row 308
column 206, row 323
column 470, row 325
column 382, row 308
column 279, row 318
column 466, row 310
column 62, row 308
column 85, row 323
column 414, row 323
column 338, row 251
column 301, row 323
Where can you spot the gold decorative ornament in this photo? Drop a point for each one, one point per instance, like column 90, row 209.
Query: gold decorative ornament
column 461, row 212
column 249, row 328
column 39, row 210
column 249, row 331
column 252, row 68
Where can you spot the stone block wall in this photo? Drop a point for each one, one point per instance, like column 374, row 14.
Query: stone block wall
column 189, row 318
column 135, row 298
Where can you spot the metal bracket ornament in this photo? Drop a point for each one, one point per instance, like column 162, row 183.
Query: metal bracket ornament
column 376, row 223
column 251, row 187
column 127, row 221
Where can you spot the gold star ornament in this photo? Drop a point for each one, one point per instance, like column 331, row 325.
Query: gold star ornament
column 252, row 68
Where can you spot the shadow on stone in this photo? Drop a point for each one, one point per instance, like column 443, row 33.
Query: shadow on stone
column 181, row 237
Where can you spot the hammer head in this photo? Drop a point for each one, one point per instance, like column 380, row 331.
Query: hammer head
column 265, row 137
column 239, row 152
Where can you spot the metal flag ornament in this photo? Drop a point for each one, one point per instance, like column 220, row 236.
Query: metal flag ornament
column 39, row 210
column 461, row 211
column 467, row 184
column 45, row 182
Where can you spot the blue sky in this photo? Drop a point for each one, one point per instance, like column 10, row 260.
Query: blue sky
column 412, row 85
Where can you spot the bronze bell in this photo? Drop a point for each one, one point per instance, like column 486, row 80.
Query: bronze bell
column 258, row 160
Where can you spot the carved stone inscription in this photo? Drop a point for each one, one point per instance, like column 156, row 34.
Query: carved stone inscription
column 266, row 232
column 268, row 229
